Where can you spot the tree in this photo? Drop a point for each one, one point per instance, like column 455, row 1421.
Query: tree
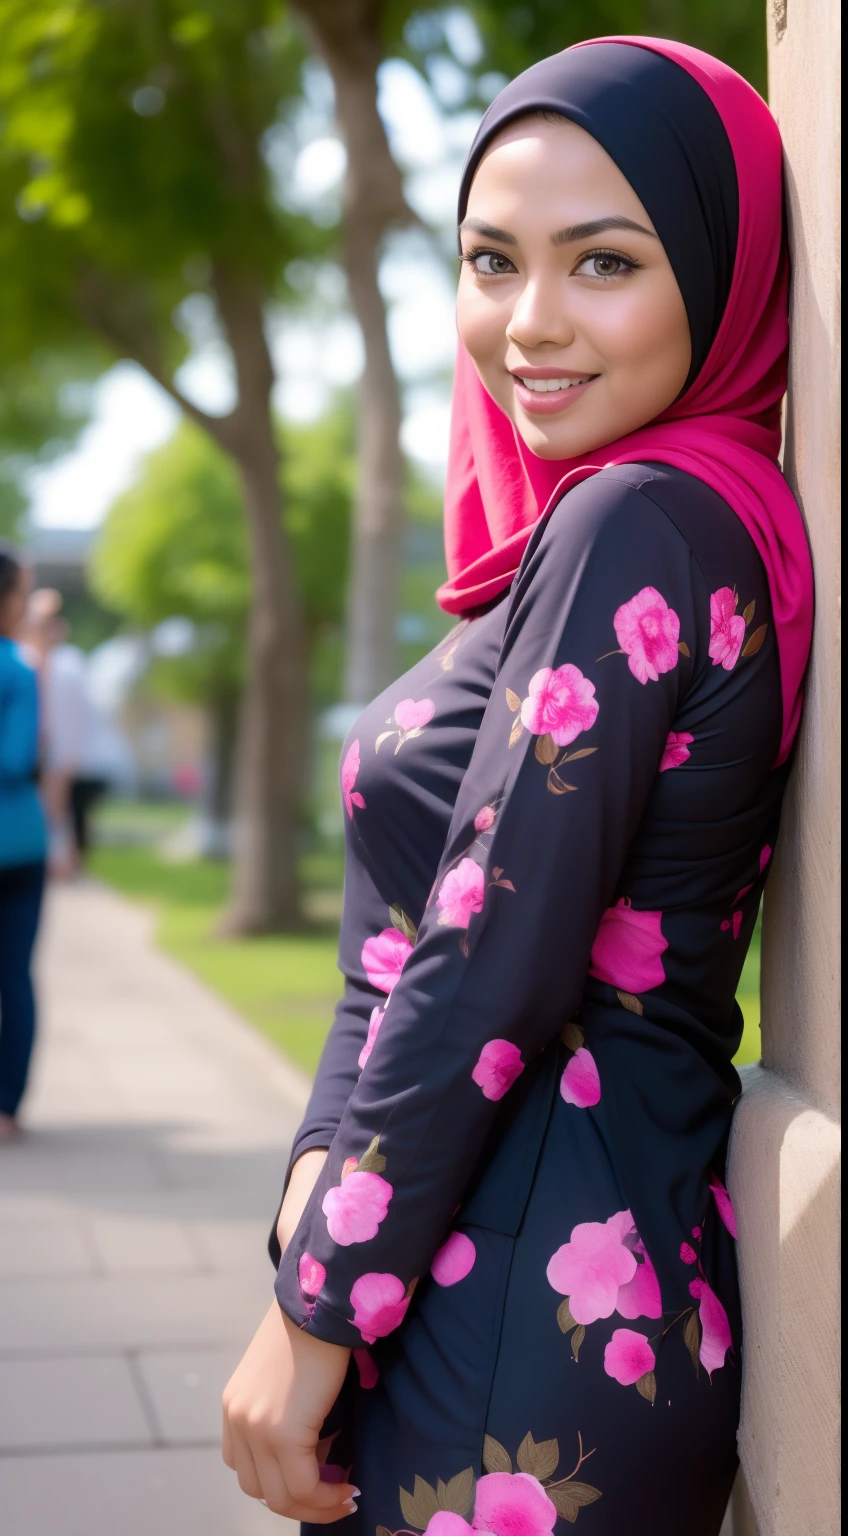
column 132, row 176
column 175, row 546
column 43, row 405
column 350, row 37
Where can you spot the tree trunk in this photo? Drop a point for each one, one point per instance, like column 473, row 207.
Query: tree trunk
column 274, row 714
column 218, row 791
column 376, row 557
column 346, row 33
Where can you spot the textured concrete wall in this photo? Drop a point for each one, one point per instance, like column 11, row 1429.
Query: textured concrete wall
column 785, row 1151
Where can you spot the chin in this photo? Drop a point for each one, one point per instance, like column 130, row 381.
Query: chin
column 555, row 445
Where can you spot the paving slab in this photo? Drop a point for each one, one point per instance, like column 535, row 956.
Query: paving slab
column 134, row 1213
column 183, row 1389
column 58, row 1247
column 138, row 1244
column 138, row 1493
column 70, row 1403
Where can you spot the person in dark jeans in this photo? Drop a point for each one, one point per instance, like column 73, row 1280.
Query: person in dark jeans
column 23, row 842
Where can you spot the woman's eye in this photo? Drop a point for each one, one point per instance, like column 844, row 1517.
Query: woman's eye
column 489, row 263
column 605, row 264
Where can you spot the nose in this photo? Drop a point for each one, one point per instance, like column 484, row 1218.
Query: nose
column 540, row 316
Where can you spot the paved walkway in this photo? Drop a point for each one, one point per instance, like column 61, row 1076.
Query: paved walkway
column 133, row 1220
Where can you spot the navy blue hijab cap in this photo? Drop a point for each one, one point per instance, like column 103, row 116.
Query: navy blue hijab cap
column 664, row 134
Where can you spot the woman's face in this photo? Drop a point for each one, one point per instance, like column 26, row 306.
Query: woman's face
column 567, row 303
column 13, row 606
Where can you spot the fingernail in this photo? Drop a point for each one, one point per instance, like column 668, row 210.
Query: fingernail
column 357, row 1493
column 349, row 1504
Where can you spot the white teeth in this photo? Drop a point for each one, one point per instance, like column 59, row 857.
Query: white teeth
column 545, row 386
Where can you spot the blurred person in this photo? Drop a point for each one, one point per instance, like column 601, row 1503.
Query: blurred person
column 76, row 746
column 505, row 1215
column 23, row 840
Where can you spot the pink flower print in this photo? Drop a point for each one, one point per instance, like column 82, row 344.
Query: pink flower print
column 512, row 1504
column 355, row 1208
column 765, row 855
column 592, row 1266
column 368, row 1373
column 414, row 714
column 376, row 1019
column 688, row 1254
column 580, row 1083
column 735, row 923
column 627, row 948
column 384, row 957
column 350, row 768
column 349, row 1166
column 454, row 1260
column 461, row 894
column 715, row 1328
column 676, row 750
column 648, row 631
column 725, row 1206
column 379, row 1305
column 628, row 1356
column 484, row 819
column 640, row 1297
column 696, row 1233
column 310, row 1276
column 497, row 1068
column 330, row 1473
column 561, row 703
column 445, row 1523
column 727, row 629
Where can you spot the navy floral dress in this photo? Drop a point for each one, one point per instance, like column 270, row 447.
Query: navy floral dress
column 558, row 828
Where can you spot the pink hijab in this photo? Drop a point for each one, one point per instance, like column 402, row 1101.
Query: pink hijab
column 725, row 428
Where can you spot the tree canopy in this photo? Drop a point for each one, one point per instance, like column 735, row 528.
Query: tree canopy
column 174, row 546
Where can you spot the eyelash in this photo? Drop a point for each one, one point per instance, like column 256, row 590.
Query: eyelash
column 629, row 264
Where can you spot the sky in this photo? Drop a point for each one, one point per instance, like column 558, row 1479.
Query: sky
column 314, row 352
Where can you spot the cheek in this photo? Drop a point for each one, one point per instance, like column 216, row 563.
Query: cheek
column 641, row 331
column 481, row 324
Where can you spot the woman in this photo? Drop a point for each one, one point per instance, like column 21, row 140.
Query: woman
column 559, row 825
column 22, row 841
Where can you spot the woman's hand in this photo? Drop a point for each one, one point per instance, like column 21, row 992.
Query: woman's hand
column 275, row 1404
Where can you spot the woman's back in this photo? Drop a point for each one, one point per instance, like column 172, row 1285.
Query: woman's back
column 22, row 832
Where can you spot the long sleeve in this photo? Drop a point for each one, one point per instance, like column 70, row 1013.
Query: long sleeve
column 335, row 1080
column 608, row 623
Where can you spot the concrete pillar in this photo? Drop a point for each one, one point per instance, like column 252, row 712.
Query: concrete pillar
column 785, row 1150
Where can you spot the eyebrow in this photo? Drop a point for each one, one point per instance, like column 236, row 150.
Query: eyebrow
column 566, row 236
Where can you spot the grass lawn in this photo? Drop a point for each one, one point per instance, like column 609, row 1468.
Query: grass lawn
column 286, row 986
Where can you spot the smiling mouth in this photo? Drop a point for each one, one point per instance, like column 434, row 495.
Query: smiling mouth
column 550, row 386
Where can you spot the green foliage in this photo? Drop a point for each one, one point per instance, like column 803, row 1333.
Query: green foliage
column 517, row 34
column 131, row 164
column 175, row 546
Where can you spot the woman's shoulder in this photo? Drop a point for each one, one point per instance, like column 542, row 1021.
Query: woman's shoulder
column 634, row 507
column 15, row 666
column 18, row 680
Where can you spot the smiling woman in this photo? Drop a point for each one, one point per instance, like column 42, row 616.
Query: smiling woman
column 558, row 829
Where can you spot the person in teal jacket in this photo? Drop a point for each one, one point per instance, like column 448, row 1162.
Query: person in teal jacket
column 23, row 841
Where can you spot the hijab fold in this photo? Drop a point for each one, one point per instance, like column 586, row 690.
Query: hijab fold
column 707, row 165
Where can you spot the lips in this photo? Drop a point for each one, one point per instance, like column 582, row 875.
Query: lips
column 548, row 396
